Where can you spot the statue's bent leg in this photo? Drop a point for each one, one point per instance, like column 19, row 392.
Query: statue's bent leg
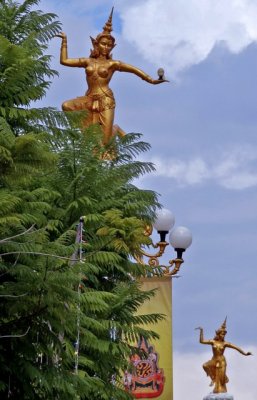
column 210, row 369
column 118, row 131
column 79, row 104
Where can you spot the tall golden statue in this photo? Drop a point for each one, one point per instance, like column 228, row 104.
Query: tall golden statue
column 216, row 367
column 99, row 68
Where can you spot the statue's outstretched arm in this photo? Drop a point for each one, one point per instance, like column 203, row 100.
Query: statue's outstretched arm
column 201, row 338
column 233, row 346
column 123, row 67
column 64, row 60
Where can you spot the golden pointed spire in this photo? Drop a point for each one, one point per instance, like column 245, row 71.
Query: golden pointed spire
column 223, row 327
column 107, row 29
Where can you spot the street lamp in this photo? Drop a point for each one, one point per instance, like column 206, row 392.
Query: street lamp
column 159, row 278
column 180, row 239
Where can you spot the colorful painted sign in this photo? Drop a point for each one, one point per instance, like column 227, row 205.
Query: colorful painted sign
column 146, row 379
column 150, row 375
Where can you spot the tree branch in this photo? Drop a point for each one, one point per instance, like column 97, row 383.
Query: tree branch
column 38, row 254
column 18, row 235
column 15, row 336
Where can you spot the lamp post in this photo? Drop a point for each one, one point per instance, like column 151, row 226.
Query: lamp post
column 160, row 279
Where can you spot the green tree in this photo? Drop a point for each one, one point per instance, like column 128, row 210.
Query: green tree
column 115, row 212
column 52, row 173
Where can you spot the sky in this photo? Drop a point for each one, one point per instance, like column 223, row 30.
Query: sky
column 202, row 127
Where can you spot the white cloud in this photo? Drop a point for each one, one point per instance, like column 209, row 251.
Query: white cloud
column 181, row 33
column 190, row 380
column 235, row 169
column 185, row 172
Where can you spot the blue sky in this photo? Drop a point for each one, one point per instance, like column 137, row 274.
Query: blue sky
column 202, row 127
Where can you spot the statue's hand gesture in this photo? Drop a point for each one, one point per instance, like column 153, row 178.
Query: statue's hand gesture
column 157, row 81
column 62, row 35
column 249, row 353
column 199, row 328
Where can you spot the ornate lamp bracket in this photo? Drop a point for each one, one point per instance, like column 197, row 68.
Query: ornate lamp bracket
column 176, row 264
column 180, row 239
column 154, row 258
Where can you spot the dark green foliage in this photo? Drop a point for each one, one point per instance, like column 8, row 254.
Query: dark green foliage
column 41, row 210
column 51, row 174
column 115, row 212
column 24, row 34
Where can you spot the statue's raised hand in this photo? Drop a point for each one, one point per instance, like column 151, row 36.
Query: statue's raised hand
column 62, row 35
column 157, row 81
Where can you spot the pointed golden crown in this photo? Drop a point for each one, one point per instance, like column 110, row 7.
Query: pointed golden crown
column 108, row 25
column 223, row 327
column 107, row 29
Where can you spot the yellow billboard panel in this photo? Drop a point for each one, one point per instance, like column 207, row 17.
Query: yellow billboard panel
column 151, row 375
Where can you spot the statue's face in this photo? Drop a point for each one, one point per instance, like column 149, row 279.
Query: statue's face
column 105, row 46
column 222, row 335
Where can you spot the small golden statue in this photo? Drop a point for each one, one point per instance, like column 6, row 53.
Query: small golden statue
column 216, row 367
column 99, row 68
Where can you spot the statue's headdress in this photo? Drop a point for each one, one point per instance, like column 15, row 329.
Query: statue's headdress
column 108, row 25
column 223, row 327
column 107, row 29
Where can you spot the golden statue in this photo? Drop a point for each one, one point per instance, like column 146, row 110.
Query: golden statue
column 216, row 367
column 99, row 101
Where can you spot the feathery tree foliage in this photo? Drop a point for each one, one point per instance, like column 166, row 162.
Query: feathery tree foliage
column 52, row 173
